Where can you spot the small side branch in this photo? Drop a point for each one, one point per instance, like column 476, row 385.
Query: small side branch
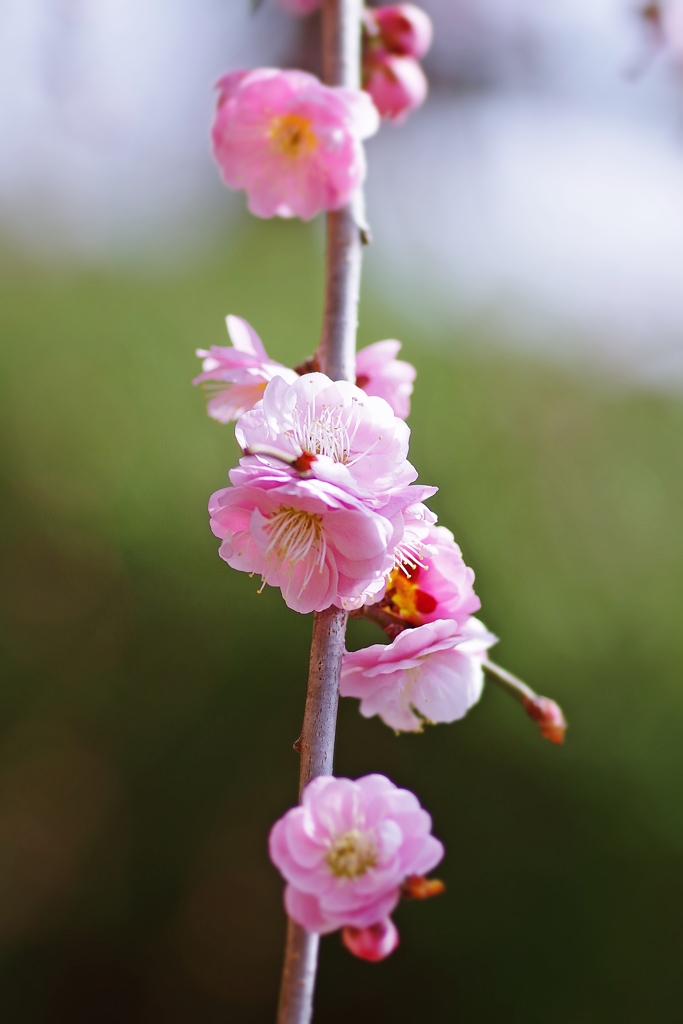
column 545, row 712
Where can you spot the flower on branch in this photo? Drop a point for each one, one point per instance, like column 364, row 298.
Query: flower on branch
column 380, row 373
column 293, row 144
column 432, row 673
column 321, row 546
column 238, row 375
column 346, row 854
column 354, row 439
column 432, row 582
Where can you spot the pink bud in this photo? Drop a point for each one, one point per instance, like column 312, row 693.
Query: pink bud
column 403, row 29
column 397, row 85
column 374, row 943
column 548, row 716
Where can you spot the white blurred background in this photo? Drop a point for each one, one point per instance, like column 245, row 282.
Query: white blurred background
column 537, row 197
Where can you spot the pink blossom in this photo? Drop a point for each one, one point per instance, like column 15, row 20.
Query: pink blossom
column 349, row 438
column 291, row 142
column 373, row 943
column 380, row 373
column 240, row 373
column 403, row 29
column 299, row 6
column 432, row 582
column 348, row 849
column 432, row 673
column 318, row 543
column 397, row 85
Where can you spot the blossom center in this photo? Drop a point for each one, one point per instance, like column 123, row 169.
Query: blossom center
column 294, row 534
column 322, row 434
column 292, row 135
column 352, row 854
column 406, row 599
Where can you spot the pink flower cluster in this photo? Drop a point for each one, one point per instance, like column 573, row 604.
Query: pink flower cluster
column 324, row 505
column 346, row 854
column 294, row 145
column 321, row 501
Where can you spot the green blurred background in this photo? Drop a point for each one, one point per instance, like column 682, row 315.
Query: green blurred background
column 151, row 697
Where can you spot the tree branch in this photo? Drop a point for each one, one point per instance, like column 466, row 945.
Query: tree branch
column 336, row 357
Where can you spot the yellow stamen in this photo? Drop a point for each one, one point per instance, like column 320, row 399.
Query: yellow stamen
column 292, row 135
column 352, row 854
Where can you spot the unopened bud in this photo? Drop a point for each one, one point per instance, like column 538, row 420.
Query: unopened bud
column 403, row 29
column 374, row 943
column 548, row 716
column 417, row 887
column 396, row 84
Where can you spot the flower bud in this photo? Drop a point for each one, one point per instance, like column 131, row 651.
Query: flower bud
column 548, row 716
column 396, row 84
column 374, row 943
column 417, row 887
column 403, row 29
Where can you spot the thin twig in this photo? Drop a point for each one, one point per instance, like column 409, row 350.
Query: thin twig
column 336, row 357
column 511, row 684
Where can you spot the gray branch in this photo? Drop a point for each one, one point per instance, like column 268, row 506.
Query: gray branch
column 336, row 356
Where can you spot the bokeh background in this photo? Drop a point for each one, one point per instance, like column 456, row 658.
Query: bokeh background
column 529, row 255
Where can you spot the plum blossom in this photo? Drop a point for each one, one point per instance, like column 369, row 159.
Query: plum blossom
column 432, row 581
column 380, row 373
column 432, row 673
column 239, row 374
column 293, row 144
column 345, row 854
column 397, row 84
column 344, row 436
column 403, row 29
column 320, row 544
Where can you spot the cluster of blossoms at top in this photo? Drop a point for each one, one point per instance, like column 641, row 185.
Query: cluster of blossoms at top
column 295, row 145
column 395, row 38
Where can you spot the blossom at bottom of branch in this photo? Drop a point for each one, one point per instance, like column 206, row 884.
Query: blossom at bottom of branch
column 429, row 674
column 346, row 853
